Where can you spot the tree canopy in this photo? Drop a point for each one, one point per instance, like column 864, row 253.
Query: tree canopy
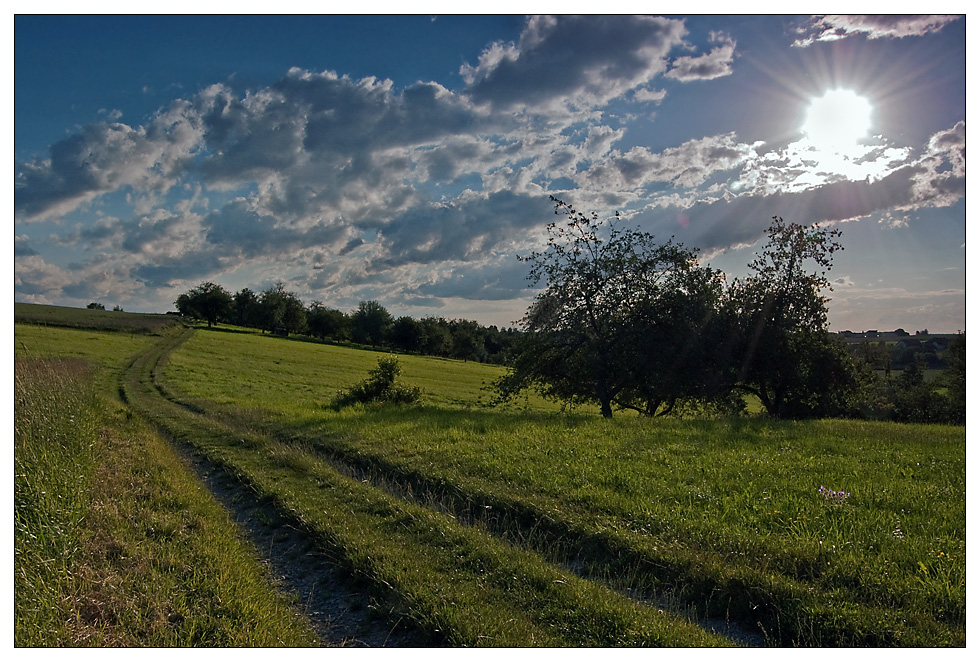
column 605, row 329
column 208, row 301
column 786, row 357
column 630, row 322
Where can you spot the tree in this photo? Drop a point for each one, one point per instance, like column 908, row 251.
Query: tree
column 327, row 323
column 247, row 309
column 408, row 335
column 785, row 355
column 954, row 378
column 467, row 340
column 207, row 301
column 281, row 311
column 607, row 289
column 681, row 348
column 95, row 306
column 438, row 339
column 499, row 343
column 371, row 323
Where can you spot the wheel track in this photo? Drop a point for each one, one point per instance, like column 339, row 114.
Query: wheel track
column 339, row 608
column 302, row 566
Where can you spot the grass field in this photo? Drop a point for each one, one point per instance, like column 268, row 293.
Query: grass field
column 84, row 318
column 534, row 526
column 116, row 542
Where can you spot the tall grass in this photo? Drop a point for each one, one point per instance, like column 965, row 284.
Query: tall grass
column 116, row 542
column 56, row 426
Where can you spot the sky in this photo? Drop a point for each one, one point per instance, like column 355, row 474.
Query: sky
column 410, row 159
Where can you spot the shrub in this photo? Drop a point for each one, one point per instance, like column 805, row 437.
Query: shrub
column 380, row 386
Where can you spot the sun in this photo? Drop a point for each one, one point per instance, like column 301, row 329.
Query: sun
column 838, row 121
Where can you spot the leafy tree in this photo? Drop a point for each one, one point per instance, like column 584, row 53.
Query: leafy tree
column 499, row 343
column 917, row 401
column 680, row 345
column 408, row 335
column 438, row 339
column 784, row 353
column 327, row 323
column 281, row 310
column 247, row 309
column 607, row 289
column 95, row 306
column 913, row 375
column 877, row 357
column 467, row 340
column 954, row 378
column 371, row 323
column 207, row 301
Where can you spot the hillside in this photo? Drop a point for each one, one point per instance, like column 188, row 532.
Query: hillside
column 478, row 526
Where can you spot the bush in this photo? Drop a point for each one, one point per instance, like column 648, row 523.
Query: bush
column 380, row 386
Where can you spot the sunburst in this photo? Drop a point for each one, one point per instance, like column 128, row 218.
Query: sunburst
column 837, row 122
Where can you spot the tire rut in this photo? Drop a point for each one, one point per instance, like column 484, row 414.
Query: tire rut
column 341, row 612
column 339, row 608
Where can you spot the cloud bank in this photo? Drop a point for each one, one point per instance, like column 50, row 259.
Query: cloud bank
column 351, row 189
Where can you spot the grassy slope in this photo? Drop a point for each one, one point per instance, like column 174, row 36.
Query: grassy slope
column 456, row 582
column 116, row 542
column 736, row 500
column 84, row 318
column 714, row 507
column 284, row 374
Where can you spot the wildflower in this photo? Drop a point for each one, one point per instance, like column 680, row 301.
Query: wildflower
column 839, row 495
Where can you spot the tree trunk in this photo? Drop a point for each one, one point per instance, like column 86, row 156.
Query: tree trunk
column 602, row 386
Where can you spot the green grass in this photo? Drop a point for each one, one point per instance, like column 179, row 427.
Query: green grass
column 162, row 564
column 116, row 543
column 56, row 426
column 104, row 320
column 458, row 583
column 530, row 526
column 727, row 510
column 105, row 348
column 282, row 374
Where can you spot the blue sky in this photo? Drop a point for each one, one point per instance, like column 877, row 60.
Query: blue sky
column 409, row 159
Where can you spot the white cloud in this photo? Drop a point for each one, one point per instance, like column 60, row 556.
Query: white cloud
column 575, row 62
column 892, row 26
column 106, row 157
column 940, row 176
column 353, row 186
column 714, row 64
column 688, row 165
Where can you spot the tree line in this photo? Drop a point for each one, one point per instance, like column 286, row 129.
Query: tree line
column 627, row 322
column 279, row 311
column 631, row 323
